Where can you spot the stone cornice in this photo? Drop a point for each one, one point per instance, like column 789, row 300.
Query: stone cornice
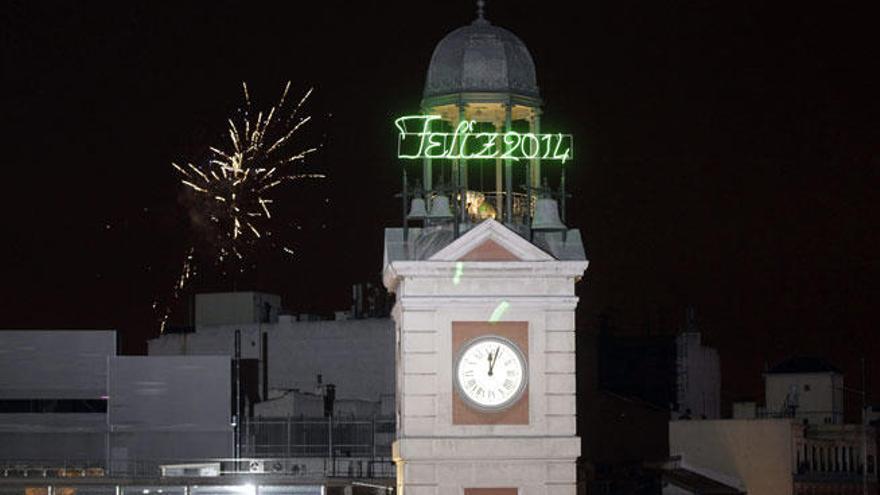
column 554, row 303
column 397, row 270
column 486, row 448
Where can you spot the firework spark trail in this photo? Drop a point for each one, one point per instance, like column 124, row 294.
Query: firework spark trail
column 187, row 270
column 235, row 184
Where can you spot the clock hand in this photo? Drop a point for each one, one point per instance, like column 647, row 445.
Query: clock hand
column 489, row 357
column 493, row 359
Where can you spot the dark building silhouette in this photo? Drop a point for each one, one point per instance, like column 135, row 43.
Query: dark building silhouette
column 639, row 367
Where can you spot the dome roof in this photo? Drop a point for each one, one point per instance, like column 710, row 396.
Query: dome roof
column 481, row 58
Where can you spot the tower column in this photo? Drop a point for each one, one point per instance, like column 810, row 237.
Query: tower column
column 463, row 174
column 426, row 170
column 499, row 175
column 426, row 173
column 535, row 128
column 508, row 170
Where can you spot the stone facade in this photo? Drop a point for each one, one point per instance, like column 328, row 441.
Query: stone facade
column 436, row 456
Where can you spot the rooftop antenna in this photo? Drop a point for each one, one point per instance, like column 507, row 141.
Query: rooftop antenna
column 481, row 7
column 690, row 320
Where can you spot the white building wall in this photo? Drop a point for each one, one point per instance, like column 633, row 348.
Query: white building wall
column 157, row 407
column 43, row 437
column 757, row 455
column 217, row 340
column 818, row 396
column 355, row 355
column 309, row 405
column 426, row 355
column 699, row 387
column 170, row 407
column 441, row 457
column 223, row 308
column 55, row 364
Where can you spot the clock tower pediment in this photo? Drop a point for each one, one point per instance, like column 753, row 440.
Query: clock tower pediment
column 491, row 241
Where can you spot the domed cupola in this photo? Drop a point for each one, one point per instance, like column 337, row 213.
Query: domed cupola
column 480, row 58
column 479, row 138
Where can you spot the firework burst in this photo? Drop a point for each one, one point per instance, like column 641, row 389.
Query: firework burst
column 234, row 189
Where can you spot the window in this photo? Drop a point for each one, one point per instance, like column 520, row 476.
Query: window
column 53, row 406
column 806, row 387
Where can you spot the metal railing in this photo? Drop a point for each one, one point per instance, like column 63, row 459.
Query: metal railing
column 318, row 437
column 835, row 417
column 313, row 447
column 306, row 468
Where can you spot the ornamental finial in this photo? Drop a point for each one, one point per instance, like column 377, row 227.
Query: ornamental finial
column 481, row 6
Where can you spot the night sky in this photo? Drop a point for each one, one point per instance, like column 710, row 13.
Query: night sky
column 726, row 159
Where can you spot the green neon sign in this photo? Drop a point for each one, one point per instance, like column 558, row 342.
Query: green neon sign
column 416, row 141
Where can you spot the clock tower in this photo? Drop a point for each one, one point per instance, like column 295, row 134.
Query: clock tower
column 484, row 277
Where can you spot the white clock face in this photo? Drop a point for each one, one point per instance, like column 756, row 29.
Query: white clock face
column 490, row 372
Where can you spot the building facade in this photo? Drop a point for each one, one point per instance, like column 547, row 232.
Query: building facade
column 778, row 456
column 287, row 367
column 285, row 354
column 449, row 445
column 797, row 444
column 698, row 378
column 68, row 401
column 808, row 389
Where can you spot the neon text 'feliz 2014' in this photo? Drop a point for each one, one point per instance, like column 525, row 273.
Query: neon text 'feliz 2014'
column 466, row 144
